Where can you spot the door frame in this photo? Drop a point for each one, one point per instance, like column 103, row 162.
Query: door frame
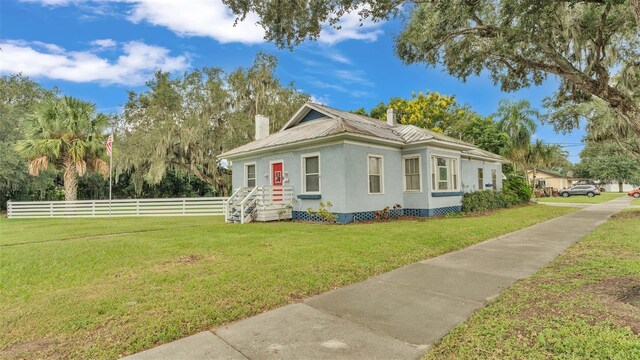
column 271, row 171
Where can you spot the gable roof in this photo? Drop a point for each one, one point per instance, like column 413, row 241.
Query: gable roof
column 337, row 122
column 550, row 172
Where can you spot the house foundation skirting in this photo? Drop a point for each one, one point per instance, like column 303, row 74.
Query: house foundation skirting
column 344, row 218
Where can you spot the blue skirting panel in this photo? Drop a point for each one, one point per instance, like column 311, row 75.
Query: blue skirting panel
column 309, row 196
column 344, row 218
column 448, row 193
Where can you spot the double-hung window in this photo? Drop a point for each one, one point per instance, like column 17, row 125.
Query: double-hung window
column 411, row 170
column 375, row 164
column 250, row 173
column 480, row 179
column 311, row 173
column 444, row 173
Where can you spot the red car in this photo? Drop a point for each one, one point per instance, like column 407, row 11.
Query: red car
column 635, row 193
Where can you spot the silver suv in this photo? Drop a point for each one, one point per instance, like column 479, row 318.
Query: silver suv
column 589, row 190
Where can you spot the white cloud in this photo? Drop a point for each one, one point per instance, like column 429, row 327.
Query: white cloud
column 53, row 3
column 337, row 57
column 354, row 77
column 211, row 18
column 322, row 100
column 351, row 28
column 134, row 66
column 104, row 43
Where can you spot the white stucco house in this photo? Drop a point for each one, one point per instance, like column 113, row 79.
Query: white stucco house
column 359, row 164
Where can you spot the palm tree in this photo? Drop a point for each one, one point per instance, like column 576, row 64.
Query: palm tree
column 66, row 133
column 519, row 121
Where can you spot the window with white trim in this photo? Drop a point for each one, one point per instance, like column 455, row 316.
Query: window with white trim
column 444, row 173
column 480, row 179
column 411, row 170
column 311, row 173
column 375, row 165
column 250, row 173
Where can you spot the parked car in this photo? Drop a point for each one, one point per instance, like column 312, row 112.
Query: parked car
column 635, row 193
column 589, row 190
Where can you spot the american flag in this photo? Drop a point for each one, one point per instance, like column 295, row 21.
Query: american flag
column 109, row 143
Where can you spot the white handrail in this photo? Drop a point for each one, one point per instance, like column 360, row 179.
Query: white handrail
column 246, row 198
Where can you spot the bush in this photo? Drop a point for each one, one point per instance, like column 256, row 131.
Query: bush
column 387, row 213
column 323, row 212
column 481, row 201
column 518, row 187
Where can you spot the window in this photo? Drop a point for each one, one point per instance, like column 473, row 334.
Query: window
column 375, row 174
column 494, row 179
column 480, row 179
column 444, row 173
column 250, row 173
column 311, row 173
column 411, row 169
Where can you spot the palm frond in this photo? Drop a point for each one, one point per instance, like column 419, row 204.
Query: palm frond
column 100, row 166
column 81, row 167
column 38, row 164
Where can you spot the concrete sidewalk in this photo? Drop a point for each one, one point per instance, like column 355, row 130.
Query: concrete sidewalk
column 396, row 315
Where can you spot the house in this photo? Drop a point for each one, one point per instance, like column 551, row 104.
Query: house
column 617, row 187
column 359, row 164
column 549, row 180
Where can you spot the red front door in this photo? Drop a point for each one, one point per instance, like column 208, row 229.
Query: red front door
column 277, row 179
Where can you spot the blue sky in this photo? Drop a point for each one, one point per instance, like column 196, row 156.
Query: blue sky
column 99, row 50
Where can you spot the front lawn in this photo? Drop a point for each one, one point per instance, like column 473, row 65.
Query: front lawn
column 101, row 288
column 584, row 305
column 582, row 199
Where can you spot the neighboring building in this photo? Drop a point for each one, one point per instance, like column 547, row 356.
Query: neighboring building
column 359, row 164
column 617, row 187
column 550, row 180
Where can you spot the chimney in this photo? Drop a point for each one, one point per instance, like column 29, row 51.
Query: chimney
column 391, row 117
column 262, row 127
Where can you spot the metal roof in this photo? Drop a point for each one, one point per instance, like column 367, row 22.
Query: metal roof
column 343, row 122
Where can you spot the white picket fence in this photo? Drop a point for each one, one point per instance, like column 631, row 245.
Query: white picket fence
column 117, row 208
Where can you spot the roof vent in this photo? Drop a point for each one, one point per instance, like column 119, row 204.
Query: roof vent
column 262, row 127
column 391, row 117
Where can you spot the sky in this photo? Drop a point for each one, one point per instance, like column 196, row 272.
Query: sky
column 98, row 50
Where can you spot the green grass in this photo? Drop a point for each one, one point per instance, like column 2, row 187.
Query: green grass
column 635, row 202
column 582, row 199
column 578, row 307
column 101, row 288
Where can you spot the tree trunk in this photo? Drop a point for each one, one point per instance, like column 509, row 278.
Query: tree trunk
column 70, row 181
column 635, row 5
column 619, row 187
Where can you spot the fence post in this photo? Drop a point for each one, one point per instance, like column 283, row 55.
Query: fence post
column 51, row 208
column 93, row 208
column 184, row 206
column 137, row 207
column 9, row 209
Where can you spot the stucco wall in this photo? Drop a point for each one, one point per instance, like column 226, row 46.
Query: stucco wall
column 344, row 177
column 417, row 199
column 332, row 186
column 357, row 178
column 470, row 174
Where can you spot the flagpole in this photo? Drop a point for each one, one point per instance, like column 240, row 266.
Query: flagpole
column 110, row 170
